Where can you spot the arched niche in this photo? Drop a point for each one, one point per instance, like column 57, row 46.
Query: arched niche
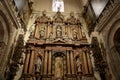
column 59, row 65
column 59, row 53
column 38, row 64
column 112, row 49
column 117, row 40
column 78, row 64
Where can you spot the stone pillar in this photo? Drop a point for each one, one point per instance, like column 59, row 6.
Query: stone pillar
column 72, row 62
column 46, row 32
column 80, row 32
column 27, row 61
column 89, row 63
column 68, row 30
column 71, row 31
column 68, row 61
column 31, row 62
column 85, row 63
column 45, row 62
column 36, row 31
column 50, row 66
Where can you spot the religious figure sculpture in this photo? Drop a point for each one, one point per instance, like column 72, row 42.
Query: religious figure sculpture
column 38, row 63
column 72, row 20
column 83, row 35
column 58, row 68
column 44, row 17
column 44, row 13
column 51, row 35
column 74, row 34
column 42, row 32
column 72, row 14
column 58, row 31
column 78, row 65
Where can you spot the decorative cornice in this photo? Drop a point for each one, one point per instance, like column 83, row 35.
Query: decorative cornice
column 109, row 11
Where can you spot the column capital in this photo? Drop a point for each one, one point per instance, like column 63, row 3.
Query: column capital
column 85, row 49
column 30, row 47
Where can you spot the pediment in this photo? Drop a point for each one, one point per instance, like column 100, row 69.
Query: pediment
column 58, row 17
column 59, row 41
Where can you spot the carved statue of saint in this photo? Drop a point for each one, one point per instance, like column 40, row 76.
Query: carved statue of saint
column 59, row 31
column 51, row 35
column 38, row 63
column 72, row 19
column 83, row 35
column 78, row 65
column 72, row 14
column 74, row 34
column 58, row 68
column 42, row 32
column 44, row 13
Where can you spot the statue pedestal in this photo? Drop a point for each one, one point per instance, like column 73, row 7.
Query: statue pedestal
column 58, row 79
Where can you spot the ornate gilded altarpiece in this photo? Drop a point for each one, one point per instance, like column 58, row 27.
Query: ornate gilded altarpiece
column 57, row 50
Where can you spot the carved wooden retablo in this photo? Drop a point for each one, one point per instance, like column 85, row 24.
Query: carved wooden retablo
column 58, row 50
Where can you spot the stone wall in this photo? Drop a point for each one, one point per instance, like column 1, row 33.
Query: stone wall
column 106, row 27
column 10, row 28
